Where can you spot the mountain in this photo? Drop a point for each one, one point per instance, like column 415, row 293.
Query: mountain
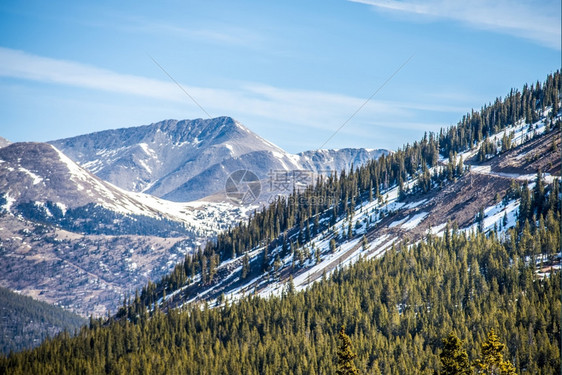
column 190, row 159
column 69, row 238
column 37, row 179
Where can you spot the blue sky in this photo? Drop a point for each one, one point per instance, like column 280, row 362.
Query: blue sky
column 292, row 71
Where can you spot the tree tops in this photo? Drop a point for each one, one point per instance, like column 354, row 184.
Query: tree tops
column 454, row 358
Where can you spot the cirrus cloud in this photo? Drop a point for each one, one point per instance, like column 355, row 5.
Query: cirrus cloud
column 538, row 21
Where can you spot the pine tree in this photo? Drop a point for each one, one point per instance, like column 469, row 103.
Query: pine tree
column 245, row 266
column 454, row 358
column 492, row 361
column 213, row 263
column 538, row 191
column 265, row 260
column 480, row 219
column 346, row 355
column 332, row 245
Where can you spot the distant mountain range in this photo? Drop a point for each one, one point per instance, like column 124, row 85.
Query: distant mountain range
column 189, row 159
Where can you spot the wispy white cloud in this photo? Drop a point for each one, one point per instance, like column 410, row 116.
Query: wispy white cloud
column 536, row 20
column 313, row 109
column 224, row 34
column 209, row 32
column 19, row 64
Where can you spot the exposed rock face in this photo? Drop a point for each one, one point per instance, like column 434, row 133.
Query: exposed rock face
column 190, row 159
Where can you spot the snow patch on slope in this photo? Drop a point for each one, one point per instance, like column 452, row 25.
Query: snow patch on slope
column 36, row 179
column 414, row 221
column 398, row 222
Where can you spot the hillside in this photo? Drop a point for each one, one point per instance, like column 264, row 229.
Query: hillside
column 25, row 322
column 456, row 177
column 191, row 159
column 371, row 228
column 87, row 274
column 72, row 239
column 396, row 198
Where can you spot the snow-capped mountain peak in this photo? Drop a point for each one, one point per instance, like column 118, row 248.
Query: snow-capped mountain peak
column 190, row 159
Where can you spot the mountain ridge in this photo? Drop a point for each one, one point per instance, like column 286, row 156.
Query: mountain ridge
column 189, row 159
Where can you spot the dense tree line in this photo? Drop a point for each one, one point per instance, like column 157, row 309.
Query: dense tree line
column 95, row 219
column 526, row 105
column 25, row 322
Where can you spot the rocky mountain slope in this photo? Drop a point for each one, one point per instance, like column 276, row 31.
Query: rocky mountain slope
column 87, row 274
column 190, row 159
column 69, row 238
column 41, row 183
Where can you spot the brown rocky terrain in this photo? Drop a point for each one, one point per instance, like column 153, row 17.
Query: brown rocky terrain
column 87, row 274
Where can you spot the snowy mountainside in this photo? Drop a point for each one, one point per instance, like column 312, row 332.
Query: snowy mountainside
column 190, row 159
column 71, row 239
column 38, row 173
column 380, row 224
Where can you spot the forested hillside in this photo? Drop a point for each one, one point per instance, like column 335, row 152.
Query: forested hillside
column 25, row 322
column 288, row 223
column 396, row 309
